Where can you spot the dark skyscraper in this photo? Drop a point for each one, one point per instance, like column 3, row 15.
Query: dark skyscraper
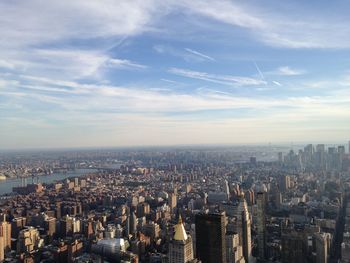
column 210, row 237
column 261, row 229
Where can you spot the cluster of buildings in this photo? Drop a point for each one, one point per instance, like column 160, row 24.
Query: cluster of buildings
column 317, row 157
column 183, row 207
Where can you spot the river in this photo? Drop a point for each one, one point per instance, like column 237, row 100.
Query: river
column 6, row 185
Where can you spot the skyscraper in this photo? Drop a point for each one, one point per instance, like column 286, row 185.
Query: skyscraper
column 210, row 237
column 284, row 183
column 292, row 247
column 66, row 226
column 234, row 251
column 28, row 240
column 180, row 247
column 261, row 213
column 320, row 241
column 5, row 232
column 280, row 157
column 243, row 228
column 172, row 201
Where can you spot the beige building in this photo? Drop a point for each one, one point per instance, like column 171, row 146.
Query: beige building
column 180, row 247
column 5, row 232
column 234, row 251
column 243, row 228
column 29, row 240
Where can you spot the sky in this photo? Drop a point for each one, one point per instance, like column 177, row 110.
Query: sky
column 110, row 73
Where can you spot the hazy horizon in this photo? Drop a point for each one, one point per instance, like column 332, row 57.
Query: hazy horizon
column 163, row 73
column 286, row 145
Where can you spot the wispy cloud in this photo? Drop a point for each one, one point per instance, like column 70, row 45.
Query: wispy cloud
column 187, row 54
column 6, row 64
column 220, row 79
column 279, row 27
column 121, row 109
column 199, row 54
column 287, row 71
column 124, row 63
column 259, row 71
column 94, row 67
column 277, row 83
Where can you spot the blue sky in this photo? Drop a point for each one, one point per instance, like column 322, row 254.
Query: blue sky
column 160, row 72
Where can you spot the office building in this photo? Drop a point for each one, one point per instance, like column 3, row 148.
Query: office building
column 234, row 251
column 261, row 200
column 210, row 237
column 29, row 240
column 172, row 201
column 243, row 228
column 2, row 249
column 320, row 241
column 5, row 232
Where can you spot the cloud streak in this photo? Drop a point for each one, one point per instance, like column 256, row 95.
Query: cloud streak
column 215, row 78
column 287, row 71
column 201, row 55
column 278, row 27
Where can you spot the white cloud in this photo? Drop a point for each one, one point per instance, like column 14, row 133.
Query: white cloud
column 277, row 83
column 134, row 99
column 287, row 71
column 290, row 28
column 220, row 79
column 124, row 63
column 6, row 64
column 40, row 37
column 199, row 54
column 114, row 111
column 35, row 22
column 49, row 46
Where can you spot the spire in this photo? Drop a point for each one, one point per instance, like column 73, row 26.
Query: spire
column 179, row 221
column 180, row 233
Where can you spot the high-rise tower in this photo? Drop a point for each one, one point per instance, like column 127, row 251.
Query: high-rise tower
column 210, row 237
column 5, row 232
column 261, row 224
column 243, row 228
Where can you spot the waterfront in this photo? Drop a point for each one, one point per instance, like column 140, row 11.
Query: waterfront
column 6, row 185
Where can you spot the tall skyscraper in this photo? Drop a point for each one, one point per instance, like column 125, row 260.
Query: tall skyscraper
column 292, row 247
column 261, row 224
column 320, row 241
column 172, row 201
column 234, row 251
column 132, row 222
column 17, row 224
column 280, row 157
column 2, row 249
column 180, row 247
column 5, row 232
column 66, row 226
column 210, row 237
column 320, row 156
column 284, row 183
column 50, row 227
column 243, row 228
column 226, row 189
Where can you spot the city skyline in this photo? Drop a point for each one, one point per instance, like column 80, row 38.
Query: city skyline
column 129, row 73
